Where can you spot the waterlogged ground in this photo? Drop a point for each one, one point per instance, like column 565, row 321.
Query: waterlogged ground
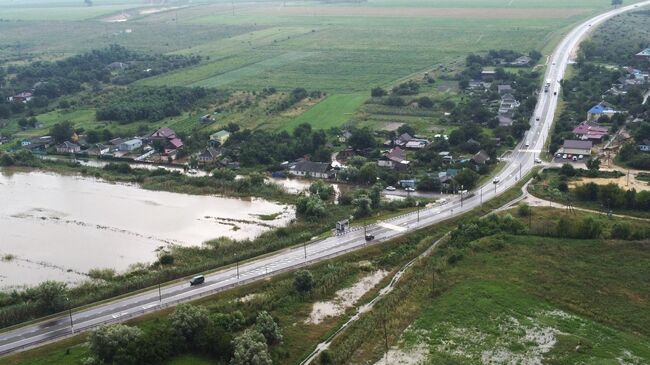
column 59, row 227
column 486, row 323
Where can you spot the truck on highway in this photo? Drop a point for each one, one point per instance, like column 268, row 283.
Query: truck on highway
column 547, row 85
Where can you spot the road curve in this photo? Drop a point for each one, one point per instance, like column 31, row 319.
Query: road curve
column 520, row 163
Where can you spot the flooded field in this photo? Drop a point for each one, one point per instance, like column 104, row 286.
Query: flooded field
column 59, row 227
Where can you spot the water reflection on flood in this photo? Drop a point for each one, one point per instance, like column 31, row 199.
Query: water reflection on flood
column 58, row 226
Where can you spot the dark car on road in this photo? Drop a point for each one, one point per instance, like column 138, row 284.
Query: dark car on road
column 369, row 237
column 197, row 280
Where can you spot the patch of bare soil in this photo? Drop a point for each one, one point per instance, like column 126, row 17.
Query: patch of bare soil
column 345, row 298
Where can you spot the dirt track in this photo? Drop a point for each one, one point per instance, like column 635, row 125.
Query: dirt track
column 460, row 13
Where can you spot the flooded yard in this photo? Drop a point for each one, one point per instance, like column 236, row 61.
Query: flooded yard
column 59, row 226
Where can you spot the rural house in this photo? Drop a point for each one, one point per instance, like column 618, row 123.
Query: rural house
column 585, row 131
column 644, row 146
column 130, row 145
column 219, row 137
column 305, row 168
column 573, row 147
column 22, row 97
column 481, row 157
column 68, row 147
column 644, row 55
column 209, row 154
column 395, row 159
column 601, row 109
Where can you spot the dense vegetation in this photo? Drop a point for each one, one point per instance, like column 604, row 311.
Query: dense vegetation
column 52, row 79
column 152, row 103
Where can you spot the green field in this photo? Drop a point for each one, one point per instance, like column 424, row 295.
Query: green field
column 334, row 111
column 540, row 298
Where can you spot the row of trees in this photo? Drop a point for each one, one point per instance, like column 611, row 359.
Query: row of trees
column 612, row 196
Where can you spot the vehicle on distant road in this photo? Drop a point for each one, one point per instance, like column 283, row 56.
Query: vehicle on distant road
column 575, row 158
column 390, row 188
column 527, row 143
column 496, row 180
column 369, row 237
column 538, row 160
column 564, row 156
column 197, row 280
column 580, row 157
column 537, row 119
column 410, row 189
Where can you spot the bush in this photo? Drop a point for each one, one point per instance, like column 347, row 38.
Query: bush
column 250, row 349
column 303, row 282
column 116, row 343
column 523, row 210
column 265, row 324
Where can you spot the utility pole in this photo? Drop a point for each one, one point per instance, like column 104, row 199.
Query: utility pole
column 461, row 195
column 70, row 314
column 159, row 294
column 418, row 205
column 520, row 170
column 238, row 270
column 481, row 196
column 304, row 246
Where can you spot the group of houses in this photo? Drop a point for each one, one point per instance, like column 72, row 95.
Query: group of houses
column 161, row 145
column 588, row 133
column 507, row 105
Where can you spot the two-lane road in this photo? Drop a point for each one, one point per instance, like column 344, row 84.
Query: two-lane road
column 521, row 162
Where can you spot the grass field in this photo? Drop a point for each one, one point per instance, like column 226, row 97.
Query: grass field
column 334, row 111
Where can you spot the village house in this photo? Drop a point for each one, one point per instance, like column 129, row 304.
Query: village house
column 416, row 143
column 573, row 147
column 395, row 159
column 206, row 119
column 521, row 61
column 481, row 157
column 644, row 55
column 488, row 75
column 99, row 149
column 305, row 168
column 504, row 89
column 219, row 137
column 68, row 147
column 22, row 97
column 644, row 146
column 585, row 131
column 601, row 109
column 209, row 154
column 446, row 157
column 402, row 140
column 130, row 145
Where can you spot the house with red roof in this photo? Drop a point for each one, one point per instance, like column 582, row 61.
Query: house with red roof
column 587, row 132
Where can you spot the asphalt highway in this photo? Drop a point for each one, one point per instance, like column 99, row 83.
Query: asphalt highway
column 519, row 164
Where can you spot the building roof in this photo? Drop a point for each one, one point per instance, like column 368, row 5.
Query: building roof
column 164, row 132
column 504, row 89
column 311, row 167
column 222, row 133
column 176, row 142
column 586, row 129
column 210, row 152
column 481, row 157
column 68, row 144
column 132, row 141
column 645, row 142
column 404, row 138
column 644, row 53
column 601, row 108
column 580, row 145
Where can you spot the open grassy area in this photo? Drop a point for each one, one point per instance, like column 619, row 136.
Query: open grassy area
column 334, row 111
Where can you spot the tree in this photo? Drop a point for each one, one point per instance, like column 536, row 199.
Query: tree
column 303, row 281
column 405, row 128
column 621, row 231
column 322, row 190
column 250, row 349
column 265, row 324
column 467, row 178
column 51, row 296
column 61, row 132
column 377, row 92
column 361, row 138
column 310, row 207
column 115, row 344
column 363, row 205
column 523, row 210
column 593, row 164
column 567, row 170
column 189, row 322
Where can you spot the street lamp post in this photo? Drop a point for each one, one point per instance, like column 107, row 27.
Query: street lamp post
column 70, row 314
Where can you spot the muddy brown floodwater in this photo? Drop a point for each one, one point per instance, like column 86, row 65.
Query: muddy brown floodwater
column 59, row 227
